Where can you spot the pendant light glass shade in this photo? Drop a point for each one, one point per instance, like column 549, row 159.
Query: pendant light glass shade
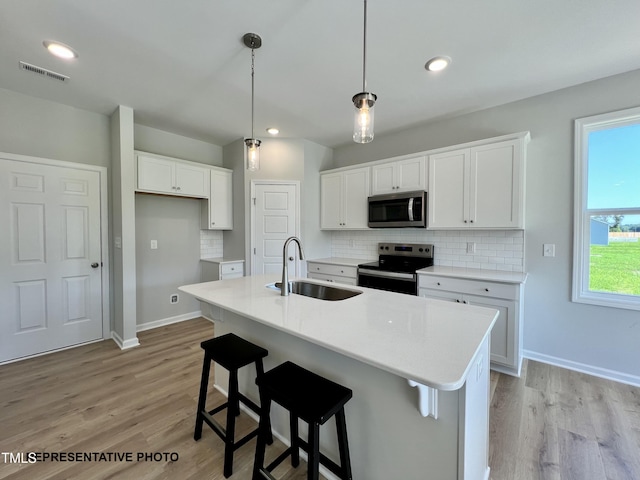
column 363, row 101
column 253, row 154
column 363, row 117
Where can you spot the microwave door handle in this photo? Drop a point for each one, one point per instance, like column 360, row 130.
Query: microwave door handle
column 410, row 209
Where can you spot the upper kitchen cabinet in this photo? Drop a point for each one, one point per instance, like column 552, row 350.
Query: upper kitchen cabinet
column 169, row 176
column 343, row 199
column 398, row 176
column 481, row 186
column 217, row 211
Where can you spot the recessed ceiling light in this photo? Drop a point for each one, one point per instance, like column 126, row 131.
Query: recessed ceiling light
column 60, row 50
column 437, row 64
column 273, row 131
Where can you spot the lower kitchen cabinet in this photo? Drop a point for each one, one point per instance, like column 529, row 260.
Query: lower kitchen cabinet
column 219, row 269
column 345, row 274
column 507, row 298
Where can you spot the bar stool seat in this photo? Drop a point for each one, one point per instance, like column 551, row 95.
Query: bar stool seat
column 232, row 353
column 309, row 397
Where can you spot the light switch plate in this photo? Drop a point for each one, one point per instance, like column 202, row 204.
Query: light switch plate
column 154, row 244
column 548, row 250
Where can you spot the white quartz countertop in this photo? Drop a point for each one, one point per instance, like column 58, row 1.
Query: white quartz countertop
column 429, row 341
column 350, row 262
column 475, row 274
column 220, row 260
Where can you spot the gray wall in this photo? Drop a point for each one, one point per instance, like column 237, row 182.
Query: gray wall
column 31, row 126
column 280, row 159
column 171, row 145
column 175, row 224
column 595, row 339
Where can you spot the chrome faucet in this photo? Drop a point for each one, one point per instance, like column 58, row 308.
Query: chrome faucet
column 284, row 287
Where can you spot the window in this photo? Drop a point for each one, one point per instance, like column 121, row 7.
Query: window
column 606, row 263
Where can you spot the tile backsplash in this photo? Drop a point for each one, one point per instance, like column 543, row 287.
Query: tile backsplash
column 494, row 249
column 211, row 244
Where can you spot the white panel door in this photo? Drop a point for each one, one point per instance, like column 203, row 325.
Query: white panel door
column 51, row 296
column 274, row 221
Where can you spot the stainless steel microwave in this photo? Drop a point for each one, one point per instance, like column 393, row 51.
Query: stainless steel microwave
column 405, row 209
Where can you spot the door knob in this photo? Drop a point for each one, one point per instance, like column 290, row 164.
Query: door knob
column 95, row 265
column 291, row 259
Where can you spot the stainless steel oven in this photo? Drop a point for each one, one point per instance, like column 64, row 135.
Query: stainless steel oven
column 396, row 267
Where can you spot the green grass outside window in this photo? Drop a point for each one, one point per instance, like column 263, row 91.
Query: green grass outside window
column 615, row 268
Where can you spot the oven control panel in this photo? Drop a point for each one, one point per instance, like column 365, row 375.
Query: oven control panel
column 424, row 250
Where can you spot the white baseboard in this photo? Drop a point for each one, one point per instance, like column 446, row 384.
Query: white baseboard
column 584, row 368
column 124, row 344
column 168, row 321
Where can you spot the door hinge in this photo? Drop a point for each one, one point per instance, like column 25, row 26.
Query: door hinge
column 254, row 250
column 254, row 200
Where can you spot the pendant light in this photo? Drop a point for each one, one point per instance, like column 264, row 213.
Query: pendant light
column 252, row 41
column 364, row 101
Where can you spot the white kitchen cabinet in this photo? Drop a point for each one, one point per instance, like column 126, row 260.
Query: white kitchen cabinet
column 220, row 269
column 157, row 174
column 479, row 187
column 507, row 298
column 343, row 199
column 217, row 210
column 345, row 274
column 399, row 176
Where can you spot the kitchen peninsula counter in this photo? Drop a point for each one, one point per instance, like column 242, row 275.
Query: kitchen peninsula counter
column 373, row 343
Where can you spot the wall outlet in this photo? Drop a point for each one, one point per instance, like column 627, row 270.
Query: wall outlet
column 548, row 250
column 471, row 247
column 118, row 242
column 154, row 244
column 174, row 298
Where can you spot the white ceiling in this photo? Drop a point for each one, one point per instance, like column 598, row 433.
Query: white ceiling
column 182, row 66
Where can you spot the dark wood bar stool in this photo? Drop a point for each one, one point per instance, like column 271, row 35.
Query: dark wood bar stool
column 315, row 400
column 231, row 352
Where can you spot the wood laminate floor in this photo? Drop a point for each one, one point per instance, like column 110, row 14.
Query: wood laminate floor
column 549, row 424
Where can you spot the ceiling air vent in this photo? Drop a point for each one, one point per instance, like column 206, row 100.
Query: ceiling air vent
column 44, row 72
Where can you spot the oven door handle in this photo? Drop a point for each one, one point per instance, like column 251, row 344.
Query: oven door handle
column 410, row 209
column 396, row 275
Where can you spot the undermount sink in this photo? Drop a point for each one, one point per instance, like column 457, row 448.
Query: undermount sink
column 314, row 290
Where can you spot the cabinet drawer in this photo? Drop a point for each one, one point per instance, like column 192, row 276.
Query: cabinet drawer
column 472, row 287
column 227, row 269
column 339, row 270
column 332, row 278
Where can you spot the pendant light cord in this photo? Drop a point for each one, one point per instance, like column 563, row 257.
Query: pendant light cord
column 252, row 88
column 364, row 50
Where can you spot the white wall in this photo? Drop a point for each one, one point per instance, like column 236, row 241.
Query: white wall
column 595, row 339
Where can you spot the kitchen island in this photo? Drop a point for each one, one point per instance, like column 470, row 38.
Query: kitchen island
column 374, row 343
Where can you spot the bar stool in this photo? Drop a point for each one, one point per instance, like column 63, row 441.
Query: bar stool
column 231, row 352
column 315, row 400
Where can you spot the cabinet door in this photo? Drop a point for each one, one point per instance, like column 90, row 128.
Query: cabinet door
column 447, row 201
column 410, row 174
column 156, row 174
column 383, row 178
column 191, row 180
column 331, row 216
column 495, row 187
column 221, row 201
column 355, row 200
column 503, row 335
